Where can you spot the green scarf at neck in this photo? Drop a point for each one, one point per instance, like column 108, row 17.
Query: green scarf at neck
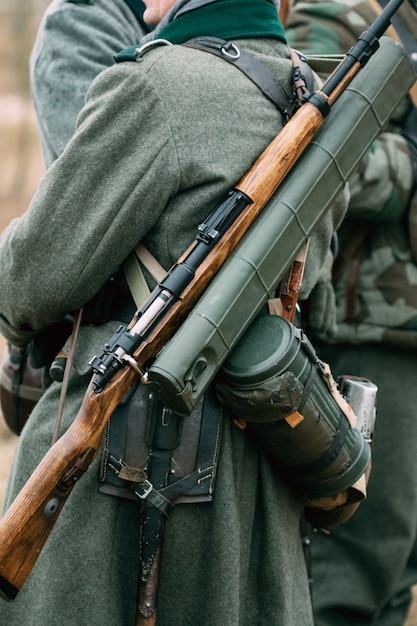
column 227, row 19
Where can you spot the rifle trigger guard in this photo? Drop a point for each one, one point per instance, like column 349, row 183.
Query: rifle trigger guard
column 133, row 364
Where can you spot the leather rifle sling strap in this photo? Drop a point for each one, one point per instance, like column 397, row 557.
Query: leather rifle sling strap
column 68, row 364
column 285, row 305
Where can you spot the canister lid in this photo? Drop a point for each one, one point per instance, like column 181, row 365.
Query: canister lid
column 266, row 349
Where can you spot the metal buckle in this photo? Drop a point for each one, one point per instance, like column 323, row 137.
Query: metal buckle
column 148, row 488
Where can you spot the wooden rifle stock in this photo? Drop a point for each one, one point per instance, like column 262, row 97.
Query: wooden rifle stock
column 26, row 525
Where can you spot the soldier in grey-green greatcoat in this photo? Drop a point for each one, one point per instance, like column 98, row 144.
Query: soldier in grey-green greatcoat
column 363, row 571
column 74, row 43
column 159, row 141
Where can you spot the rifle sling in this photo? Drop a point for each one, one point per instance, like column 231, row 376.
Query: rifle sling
column 65, row 381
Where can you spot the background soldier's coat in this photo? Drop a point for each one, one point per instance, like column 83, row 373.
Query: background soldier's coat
column 382, row 304
column 363, row 570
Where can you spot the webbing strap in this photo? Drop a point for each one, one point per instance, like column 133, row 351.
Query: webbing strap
column 134, row 275
column 136, row 280
column 327, row 458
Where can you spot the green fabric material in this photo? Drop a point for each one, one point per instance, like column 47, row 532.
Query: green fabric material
column 90, row 35
column 228, row 19
column 323, row 304
column 363, row 570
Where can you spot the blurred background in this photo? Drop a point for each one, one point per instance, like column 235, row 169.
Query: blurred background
column 21, row 163
column 20, row 158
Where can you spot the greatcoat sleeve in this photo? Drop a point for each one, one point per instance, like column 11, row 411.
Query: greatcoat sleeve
column 92, row 207
column 74, row 43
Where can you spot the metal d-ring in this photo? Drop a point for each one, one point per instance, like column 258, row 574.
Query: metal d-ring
column 229, row 45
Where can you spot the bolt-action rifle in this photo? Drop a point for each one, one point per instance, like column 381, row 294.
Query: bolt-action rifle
column 26, row 525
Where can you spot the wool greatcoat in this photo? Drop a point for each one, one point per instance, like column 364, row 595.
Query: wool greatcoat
column 158, row 143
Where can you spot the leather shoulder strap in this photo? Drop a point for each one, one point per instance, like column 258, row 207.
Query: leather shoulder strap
column 259, row 73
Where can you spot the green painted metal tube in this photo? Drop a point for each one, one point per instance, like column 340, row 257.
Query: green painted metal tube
column 190, row 360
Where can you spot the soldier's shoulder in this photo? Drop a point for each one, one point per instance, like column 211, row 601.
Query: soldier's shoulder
column 141, row 51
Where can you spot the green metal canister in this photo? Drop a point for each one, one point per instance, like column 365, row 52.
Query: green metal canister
column 274, row 381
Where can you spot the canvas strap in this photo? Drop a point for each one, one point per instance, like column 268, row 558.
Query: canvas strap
column 134, row 274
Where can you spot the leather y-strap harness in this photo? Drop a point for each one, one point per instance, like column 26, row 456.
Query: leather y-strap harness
column 159, row 461
column 259, row 74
